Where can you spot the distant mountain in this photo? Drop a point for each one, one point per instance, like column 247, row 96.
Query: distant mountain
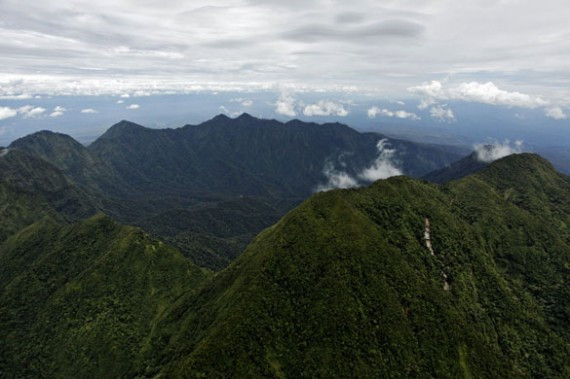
column 463, row 167
column 400, row 279
column 139, row 175
column 248, row 156
column 223, row 158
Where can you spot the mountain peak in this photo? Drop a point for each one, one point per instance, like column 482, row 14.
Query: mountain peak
column 43, row 136
column 121, row 128
column 520, row 167
column 221, row 117
column 47, row 144
column 246, row 117
column 125, row 124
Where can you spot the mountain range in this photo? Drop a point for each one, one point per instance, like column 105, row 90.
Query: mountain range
column 240, row 167
column 235, row 267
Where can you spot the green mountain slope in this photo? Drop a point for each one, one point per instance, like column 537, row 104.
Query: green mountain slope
column 213, row 234
column 347, row 286
column 84, row 300
column 31, row 188
column 400, row 279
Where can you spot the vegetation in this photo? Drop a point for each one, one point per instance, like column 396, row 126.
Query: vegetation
column 144, row 177
column 345, row 286
column 84, row 300
column 404, row 278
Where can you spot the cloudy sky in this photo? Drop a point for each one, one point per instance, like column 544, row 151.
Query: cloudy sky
column 504, row 53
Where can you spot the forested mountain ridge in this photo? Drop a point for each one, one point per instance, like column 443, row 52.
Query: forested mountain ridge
column 347, row 285
column 224, row 157
column 141, row 176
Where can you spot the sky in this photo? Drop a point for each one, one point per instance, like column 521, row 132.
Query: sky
column 81, row 65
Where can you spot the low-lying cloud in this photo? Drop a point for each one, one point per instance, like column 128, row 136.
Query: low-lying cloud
column 486, row 93
column 375, row 111
column 489, row 152
column 336, row 179
column 29, row 111
column 325, row 108
column 226, row 111
column 434, row 92
column 383, row 167
column 57, row 111
column 285, row 105
column 556, row 113
column 442, row 113
column 6, row 112
column 242, row 101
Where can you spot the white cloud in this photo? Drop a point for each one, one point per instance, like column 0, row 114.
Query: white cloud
column 120, row 101
column 383, row 167
column 426, row 103
column 133, row 106
column 336, row 179
column 486, row 93
column 489, row 93
column 29, row 111
column 495, row 150
column 375, row 111
column 225, row 110
column 242, row 101
column 125, row 95
column 57, row 111
column 285, row 105
column 556, row 113
column 325, row 108
column 6, row 112
column 23, row 96
column 441, row 113
column 89, row 110
column 433, row 89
